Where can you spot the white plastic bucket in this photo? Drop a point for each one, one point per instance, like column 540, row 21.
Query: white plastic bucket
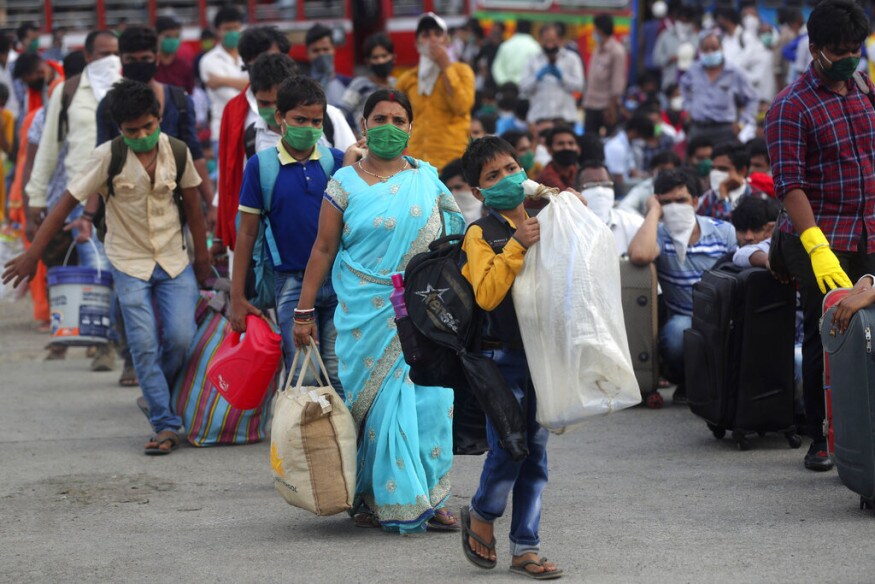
column 79, row 298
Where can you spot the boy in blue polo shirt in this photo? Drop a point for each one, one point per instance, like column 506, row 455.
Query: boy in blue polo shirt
column 300, row 181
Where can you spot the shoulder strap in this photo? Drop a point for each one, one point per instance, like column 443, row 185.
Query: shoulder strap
column 249, row 138
column 268, row 170
column 863, row 86
column 177, row 94
column 326, row 159
column 70, row 87
column 328, row 127
column 180, row 157
column 118, row 155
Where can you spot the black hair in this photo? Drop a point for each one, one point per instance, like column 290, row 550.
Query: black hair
column 299, row 90
column 92, row 38
column 758, row 147
column 207, row 34
column 789, row 15
column 558, row 130
column 524, row 26
column 474, row 26
column 137, row 38
column 698, row 142
column 590, row 164
column 5, row 43
column 479, row 153
column 316, row 33
column 754, row 213
column 604, row 23
column 269, row 70
column 227, row 14
column 452, row 169
column 24, row 29
column 165, row 23
column 738, row 154
column 257, row 40
column 834, row 23
column 426, row 24
column 129, row 100
column 489, row 122
column 379, row 39
column 507, row 96
column 513, row 137
column 665, row 157
column 554, row 26
column 668, row 180
column 591, row 147
column 388, row 95
column 728, row 13
column 74, row 64
column 641, row 124
column 4, row 93
column 26, row 64
column 670, row 88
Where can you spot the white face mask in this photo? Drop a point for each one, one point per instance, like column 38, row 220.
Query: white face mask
column 679, row 220
column 684, row 30
column 659, row 9
column 717, row 177
column 600, row 201
column 676, row 103
column 428, row 70
column 102, row 73
column 750, row 23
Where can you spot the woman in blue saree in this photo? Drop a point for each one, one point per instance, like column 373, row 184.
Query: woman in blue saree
column 378, row 213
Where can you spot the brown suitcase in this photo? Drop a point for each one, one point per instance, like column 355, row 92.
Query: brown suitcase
column 639, row 290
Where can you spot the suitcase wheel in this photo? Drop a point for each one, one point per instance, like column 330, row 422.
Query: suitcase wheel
column 653, row 400
column 793, row 439
column 642, row 300
column 718, row 432
column 865, row 503
column 741, row 441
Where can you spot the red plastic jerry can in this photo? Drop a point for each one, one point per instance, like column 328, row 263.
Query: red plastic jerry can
column 245, row 364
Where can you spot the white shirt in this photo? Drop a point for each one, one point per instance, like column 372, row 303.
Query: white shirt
column 619, row 156
column 624, row 225
column 6, row 79
column 81, row 138
column 220, row 63
column 741, row 258
column 552, row 97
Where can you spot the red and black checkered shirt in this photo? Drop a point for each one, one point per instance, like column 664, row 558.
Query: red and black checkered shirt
column 824, row 144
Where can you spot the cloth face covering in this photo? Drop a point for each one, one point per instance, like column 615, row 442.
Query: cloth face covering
column 102, row 73
column 506, row 194
column 601, row 201
column 679, row 220
column 716, row 178
column 428, row 71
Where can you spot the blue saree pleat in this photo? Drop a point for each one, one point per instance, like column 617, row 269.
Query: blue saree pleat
column 405, row 443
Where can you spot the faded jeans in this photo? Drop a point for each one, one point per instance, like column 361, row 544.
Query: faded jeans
column 671, row 346
column 501, row 476
column 158, row 356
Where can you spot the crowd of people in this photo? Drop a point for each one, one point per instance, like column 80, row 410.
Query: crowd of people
column 165, row 166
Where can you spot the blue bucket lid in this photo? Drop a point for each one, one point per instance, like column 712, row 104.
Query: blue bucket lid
column 78, row 275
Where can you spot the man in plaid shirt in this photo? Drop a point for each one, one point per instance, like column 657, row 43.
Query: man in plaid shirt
column 821, row 136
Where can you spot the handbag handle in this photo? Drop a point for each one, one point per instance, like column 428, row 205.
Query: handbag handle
column 308, row 357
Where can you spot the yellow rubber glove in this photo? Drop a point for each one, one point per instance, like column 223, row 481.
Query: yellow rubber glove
column 827, row 269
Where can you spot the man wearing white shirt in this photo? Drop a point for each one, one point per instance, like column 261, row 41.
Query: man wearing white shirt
column 620, row 153
column 551, row 78
column 595, row 184
column 221, row 69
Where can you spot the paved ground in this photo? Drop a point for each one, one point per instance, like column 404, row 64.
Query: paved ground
column 641, row 496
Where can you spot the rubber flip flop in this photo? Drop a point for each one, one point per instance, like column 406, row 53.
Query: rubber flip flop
column 161, row 438
column 472, row 556
column 434, row 524
column 521, row 570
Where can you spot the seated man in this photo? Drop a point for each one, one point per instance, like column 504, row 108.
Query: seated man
column 684, row 245
column 564, row 152
column 728, row 180
column 754, row 219
column 636, row 199
column 597, row 188
column 624, row 157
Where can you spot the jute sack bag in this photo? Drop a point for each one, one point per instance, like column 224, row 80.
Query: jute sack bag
column 313, row 443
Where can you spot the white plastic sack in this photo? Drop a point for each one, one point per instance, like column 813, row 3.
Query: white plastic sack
column 570, row 312
column 10, row 247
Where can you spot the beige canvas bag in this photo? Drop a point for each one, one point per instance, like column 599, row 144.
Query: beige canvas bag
column 313, row 443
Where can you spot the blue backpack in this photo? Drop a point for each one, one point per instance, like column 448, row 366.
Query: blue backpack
column 265, row 254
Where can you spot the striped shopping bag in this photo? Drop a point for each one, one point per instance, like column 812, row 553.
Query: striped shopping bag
column 208, row 418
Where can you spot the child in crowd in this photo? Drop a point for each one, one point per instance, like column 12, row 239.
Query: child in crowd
column 300, row 178
column 490, row 165
column 144, row 243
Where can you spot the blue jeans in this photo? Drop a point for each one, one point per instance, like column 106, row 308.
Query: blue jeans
column 671, row 346
column 501, row 475
column 288, row 292
column 158, row 357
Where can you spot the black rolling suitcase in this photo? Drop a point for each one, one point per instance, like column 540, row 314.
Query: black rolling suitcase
column 738, row 355
column 852, row 379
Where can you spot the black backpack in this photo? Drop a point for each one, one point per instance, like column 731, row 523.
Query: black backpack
column 118, row 156
column 440, row 338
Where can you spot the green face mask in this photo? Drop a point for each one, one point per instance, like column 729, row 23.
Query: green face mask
column 841, row 70
column 143, row 144
column 33, row 46
column 231, row 39
column 527, row 160
column 301, row 138
column 169, row 45
column 267, row 114
column 704, row 167
column 387, row 141
column 507, row 193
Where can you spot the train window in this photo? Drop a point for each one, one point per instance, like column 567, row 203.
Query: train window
column 184, row 11
column 449, row 7
column 593, row 3
column 123, row 11
column 70, row 14
column 408, row 7
column 517, row 4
